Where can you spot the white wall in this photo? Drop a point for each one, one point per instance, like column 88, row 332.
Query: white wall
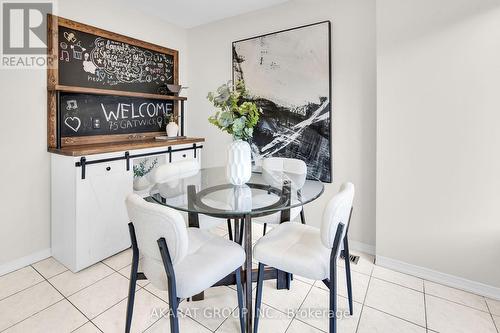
column 438, row 161
column 354, row 94
column 25, row 166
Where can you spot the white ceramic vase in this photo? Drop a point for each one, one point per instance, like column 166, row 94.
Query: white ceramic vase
column 239, row 163
column 141, row 183
column 242, row 196
column 172, row 129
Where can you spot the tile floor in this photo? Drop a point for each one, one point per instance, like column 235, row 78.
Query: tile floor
column 46, row 297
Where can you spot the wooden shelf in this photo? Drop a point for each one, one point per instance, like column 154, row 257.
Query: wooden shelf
column 92, row 149
column 82, row 90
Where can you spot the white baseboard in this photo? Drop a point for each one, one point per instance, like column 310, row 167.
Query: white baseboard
column 361, row 247
column 439, row 277
column 24, row 261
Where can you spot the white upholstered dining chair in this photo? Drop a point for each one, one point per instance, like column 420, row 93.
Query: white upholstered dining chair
column 183, row 261
column 272, row 170
column 310, row 252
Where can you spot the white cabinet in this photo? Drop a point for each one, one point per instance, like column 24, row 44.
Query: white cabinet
column 89, row 218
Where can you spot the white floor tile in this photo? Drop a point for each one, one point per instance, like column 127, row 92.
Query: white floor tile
column 299, row 327
column 359, row 284
column 218, row 304
column 405, row 280
column 284, row 299
column 303, row 279
column 125, row 271
column 69, row 283
column 186, row 324
column 448, row 317
column 18, row 280
column 26, row 303
column 456, row 295
column 87, row 328
column 162, row 294
column 119, row 260
column 61, row 317
column 315, row 311
column 494, row 306
column 396, row 300
column 49, row 267
column 146, row 309
column 271, row 320
column 497, row 322
column 102, row 295
column 374, row 321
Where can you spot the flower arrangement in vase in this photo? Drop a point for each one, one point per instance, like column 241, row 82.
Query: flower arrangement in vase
column 140, row 171
column 236, row 116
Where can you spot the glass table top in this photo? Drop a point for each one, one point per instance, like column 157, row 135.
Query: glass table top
column 206, row 191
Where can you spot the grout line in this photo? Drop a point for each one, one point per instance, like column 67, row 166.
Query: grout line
column 425, row 309
column 364, row 301
column 390, row 314
column 91, row 323
column 300, row 306
column 66, row 298
column 19, row 291
column 436, row 296
column 492, row 318
column 457, row 303
column 34, row 314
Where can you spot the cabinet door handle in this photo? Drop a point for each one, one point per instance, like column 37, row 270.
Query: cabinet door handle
column 184, row 155
column 108, row 168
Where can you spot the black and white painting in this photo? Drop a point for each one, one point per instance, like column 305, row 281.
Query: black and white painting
column 288, row 75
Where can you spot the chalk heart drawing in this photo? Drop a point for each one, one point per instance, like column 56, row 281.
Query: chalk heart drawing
column 73, row 122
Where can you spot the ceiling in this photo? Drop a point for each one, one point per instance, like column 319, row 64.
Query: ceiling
column 191, row 13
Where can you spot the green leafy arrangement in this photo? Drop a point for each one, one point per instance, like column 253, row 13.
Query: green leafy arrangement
column 236, row 116
column 141, row 169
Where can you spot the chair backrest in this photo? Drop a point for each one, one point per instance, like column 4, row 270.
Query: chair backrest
column 174, row 171
column 153, row 221
column 295, row 169
column 337, row 211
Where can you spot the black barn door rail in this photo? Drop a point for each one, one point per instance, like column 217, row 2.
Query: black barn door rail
column 126, row 156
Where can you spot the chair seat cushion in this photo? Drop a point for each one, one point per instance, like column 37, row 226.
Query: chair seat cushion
column 210, row 258
column 294, row 248
column 262, row 200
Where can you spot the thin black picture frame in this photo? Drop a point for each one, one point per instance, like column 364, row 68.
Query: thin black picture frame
column 330, row 76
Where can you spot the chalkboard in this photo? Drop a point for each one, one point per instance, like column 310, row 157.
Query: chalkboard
column 86, row 115
column 92, row 61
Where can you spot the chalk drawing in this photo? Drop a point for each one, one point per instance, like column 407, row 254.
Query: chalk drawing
column 78, row 50
column 73, row 123
column 71, row 105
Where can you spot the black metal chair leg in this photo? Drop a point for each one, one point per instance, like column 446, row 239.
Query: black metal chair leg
column 229, row 229
column 333, row 279
column 333, row 300
column 258, row 296
column 239, row 287
column 348, row 274
column 174, row 306
column 265, row 228
column 173, row 301
column 133, row 279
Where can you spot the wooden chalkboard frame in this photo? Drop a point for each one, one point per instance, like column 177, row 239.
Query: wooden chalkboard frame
column 54, row 140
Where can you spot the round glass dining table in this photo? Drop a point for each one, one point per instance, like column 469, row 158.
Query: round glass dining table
column 206, row 191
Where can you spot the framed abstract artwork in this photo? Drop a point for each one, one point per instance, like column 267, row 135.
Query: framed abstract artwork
column 288, row 74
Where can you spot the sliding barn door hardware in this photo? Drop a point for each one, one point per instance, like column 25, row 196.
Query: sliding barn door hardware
column 127, row 156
